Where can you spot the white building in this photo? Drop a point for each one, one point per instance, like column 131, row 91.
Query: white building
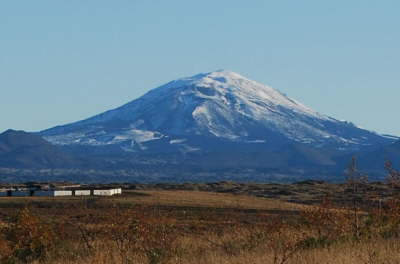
column 62, row 193
column 53, row 193
column 103, row 192
column 82, row 192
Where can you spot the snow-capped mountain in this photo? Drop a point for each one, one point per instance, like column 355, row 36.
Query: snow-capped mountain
column 196, row 113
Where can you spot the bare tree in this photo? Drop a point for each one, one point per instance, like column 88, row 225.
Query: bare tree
column 355, row 179
column 393, row 177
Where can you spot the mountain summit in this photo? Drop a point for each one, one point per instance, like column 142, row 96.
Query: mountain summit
column 206, row 110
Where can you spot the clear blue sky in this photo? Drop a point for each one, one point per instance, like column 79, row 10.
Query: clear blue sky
column 65, row 60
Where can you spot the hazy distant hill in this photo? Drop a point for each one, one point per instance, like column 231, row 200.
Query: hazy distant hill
column 19, row 149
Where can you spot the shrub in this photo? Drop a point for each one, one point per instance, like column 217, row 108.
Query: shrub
column 26, row 240
column 330, row 224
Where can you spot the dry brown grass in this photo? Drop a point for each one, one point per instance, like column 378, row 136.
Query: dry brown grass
column 204, row 199
column 169, row 198
column 365, row 253
column 197, row 251
column 192, row 227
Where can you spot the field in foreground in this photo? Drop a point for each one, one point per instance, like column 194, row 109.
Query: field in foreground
column 182, row 226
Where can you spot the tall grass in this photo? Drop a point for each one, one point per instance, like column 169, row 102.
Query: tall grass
column 321, row 234
column 95, row 233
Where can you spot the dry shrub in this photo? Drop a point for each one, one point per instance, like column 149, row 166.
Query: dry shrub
column 130, row 235
column 330, row 224
column 284, row 241
column 158, row 241
column 123, row 230
column 273, row 236
column 393, row 176
column 26, row 240
column 386, row 222
column 133, row 235
column 236, row 239
column 5, row 250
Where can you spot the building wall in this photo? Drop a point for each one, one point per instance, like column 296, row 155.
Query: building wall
column 82, row 192
column 50, row 193
column 103, row 192
column 62, row 193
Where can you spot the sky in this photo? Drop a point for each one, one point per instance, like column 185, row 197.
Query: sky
column 66, row 60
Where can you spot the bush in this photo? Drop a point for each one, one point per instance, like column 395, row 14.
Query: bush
column 26, row 240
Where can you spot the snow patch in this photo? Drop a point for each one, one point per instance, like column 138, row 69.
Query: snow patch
column 177, row 141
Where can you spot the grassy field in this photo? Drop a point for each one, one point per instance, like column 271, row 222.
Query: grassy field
column 177, row 225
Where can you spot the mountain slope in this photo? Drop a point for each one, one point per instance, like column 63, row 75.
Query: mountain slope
column 208, row 110
column 19, row 149
column 373, row 161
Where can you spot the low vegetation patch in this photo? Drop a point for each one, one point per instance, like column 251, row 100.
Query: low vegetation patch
column 180, row 226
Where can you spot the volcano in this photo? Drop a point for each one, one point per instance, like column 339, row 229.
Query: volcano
column 213, row 111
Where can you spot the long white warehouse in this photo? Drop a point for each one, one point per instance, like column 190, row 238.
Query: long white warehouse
column 54, row 193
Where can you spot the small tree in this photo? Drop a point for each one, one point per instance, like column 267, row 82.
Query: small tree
column 390, row 222
column 393, row 177
column 355, row 179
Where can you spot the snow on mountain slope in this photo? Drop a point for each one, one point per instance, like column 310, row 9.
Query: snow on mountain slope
column 220, row 105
